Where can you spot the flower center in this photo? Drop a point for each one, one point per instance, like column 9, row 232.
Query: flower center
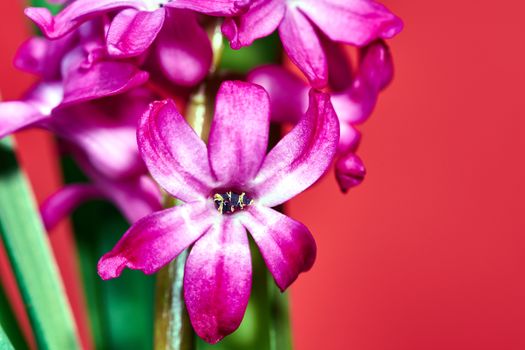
column 229, row 202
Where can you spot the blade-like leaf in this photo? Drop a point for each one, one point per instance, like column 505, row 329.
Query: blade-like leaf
column 8, row 320
column 5, row 344
column 28, row 248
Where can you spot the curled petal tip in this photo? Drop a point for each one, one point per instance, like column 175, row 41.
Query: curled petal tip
column 111, row 266
column 349, row 171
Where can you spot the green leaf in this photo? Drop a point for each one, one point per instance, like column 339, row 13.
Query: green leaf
column 43, row 3
column 5, row 344
column 10, row 323
column 31, row 257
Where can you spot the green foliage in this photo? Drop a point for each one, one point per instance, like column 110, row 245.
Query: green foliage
column 10, row 324
column 28, row 248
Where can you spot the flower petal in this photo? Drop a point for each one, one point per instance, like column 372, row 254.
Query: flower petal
column 212, row 7
column 183, row 51
column 85, row 80
column 263, row 17
column 175, row 156
column 157, row 239
column 217, row 280
column 355, row 22
column 132, row 32
column 303, row 46
column 349, row 171
column 302, row 156
column 62, row 203
column 287, row 246
column 75, row 14
column 239, row 132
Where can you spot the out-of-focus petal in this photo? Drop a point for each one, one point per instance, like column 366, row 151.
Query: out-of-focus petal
column 212, row 7
column 340, row 75
column 288, row 93
column 62, row 203
column 349, row 171
column 349, row 138
column 355, row 105
column 302, row 156
column 157, row 239
column 84, row 80
column 355, row 22
column 376, row 65
column 132, row 32
column 287, row 246
column 34, row 110
column 175, row 156
column 217, row 280
column 303, row 46
column 75, row 14
column 239, row 132
column 263, row 17
column 183, row 51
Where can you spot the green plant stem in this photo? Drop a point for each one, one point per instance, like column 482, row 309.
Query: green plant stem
column 5, row 344
column 30, row 254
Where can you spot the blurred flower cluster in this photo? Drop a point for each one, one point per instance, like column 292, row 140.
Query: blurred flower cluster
column 107, row 72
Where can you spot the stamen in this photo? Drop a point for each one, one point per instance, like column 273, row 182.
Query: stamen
column 229, row 202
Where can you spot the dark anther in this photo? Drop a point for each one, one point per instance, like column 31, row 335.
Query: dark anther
column 229, row 202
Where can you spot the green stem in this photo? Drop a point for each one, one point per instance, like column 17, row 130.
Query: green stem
column 5, row 344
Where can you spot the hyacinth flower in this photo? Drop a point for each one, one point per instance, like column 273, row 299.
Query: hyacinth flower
column 228, row 187
column 302, row 25
column 179, row 45
column 135, row 197
column 353, row 101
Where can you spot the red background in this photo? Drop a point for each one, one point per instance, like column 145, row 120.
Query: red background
column 428, row 253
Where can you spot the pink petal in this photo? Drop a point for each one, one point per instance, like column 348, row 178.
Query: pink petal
column 75, row 14
column 157, row 239
column 288, row 93
column 132, row 32
column 302, row 156
column 340, row 75
column 349, row 137
column 217, row 280
column 355, row 22
column 212, row 7
column 287, row 246
column 85, row 80
column 34, row 110
column 263, row 17
column 349, row 171
column 183, row 50
column 63, row 202
column 239, row 132
column 175, row 156
column 303, row 46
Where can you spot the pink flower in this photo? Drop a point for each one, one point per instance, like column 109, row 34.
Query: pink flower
column 354, row 22
column 228, row 187
column 354, row 98
column 179, row 45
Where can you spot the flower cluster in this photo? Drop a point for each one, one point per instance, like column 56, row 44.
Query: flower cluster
column 103, row 68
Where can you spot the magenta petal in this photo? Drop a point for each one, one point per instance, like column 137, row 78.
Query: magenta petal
column 288, row 93
column 132, row 32
column 349, row 171
column 303, row 46
column 157, row 239
column 75, row 14
column 183, row 50
column 62, row 203
column 217, row 280
column 376, row 66
column 287, row 246
column 302, row 156
column 212, row 7
column 239, row 132
column 176, row 157
column 263, row 17
column 355, row 22
column 84, row 80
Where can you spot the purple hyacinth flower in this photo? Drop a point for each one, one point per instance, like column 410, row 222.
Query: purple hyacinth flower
column 353, row 100
column 228, row 187
column 134, row 197
column 103, row 130
column 354, row 22
column 180, row 45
